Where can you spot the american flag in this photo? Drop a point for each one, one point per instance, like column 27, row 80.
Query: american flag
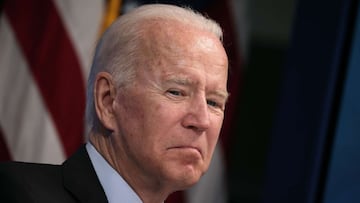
column 45, row 57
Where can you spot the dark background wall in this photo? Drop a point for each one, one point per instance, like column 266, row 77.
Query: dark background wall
column 269, row 25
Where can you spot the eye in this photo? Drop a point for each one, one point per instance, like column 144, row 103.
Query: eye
column 212, row 103
column 175, row 92
column 215, row 104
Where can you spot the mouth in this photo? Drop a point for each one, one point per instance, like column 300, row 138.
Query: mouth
column 188, row 149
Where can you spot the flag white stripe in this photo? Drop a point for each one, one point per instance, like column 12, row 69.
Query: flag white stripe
column 25, row 121
column 82, row 20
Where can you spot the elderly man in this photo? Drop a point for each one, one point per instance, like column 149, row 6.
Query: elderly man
column 156, row 99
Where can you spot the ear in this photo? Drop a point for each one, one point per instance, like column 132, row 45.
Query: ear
column 104, row 96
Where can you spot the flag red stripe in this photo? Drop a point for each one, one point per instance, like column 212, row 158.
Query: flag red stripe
column 53, row 63
column 4, row 152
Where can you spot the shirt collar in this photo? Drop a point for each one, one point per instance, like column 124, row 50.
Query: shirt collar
column 115, row 187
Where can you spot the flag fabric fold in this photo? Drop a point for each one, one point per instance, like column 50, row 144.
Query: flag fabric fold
column 46, row 54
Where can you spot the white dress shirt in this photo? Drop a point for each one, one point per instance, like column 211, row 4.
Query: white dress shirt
column 116, row 188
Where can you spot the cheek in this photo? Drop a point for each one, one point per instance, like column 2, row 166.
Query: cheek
column 158, row 107
column 212, row 140
column 213, row 135
column 164, row 113
column 158, row 121
column 151, row 120
column 128, row 115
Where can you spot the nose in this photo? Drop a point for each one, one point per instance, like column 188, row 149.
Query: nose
column 197, row 117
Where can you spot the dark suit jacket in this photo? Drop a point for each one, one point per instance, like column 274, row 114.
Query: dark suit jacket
column 73, row 181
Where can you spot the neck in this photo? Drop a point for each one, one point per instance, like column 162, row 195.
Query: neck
column 145, row 187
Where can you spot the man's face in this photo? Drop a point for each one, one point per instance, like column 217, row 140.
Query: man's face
column 168, row 121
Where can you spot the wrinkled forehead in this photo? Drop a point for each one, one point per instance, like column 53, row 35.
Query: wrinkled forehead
column 176, row 48
column 171, row 38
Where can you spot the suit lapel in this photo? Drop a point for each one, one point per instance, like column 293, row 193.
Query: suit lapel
column 81, row 180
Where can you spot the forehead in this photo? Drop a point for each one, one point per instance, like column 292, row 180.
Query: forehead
column 176, row 42
column 175, row 50
column 174, row 34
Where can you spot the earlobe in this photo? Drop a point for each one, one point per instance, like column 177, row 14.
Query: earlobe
column 104, row 96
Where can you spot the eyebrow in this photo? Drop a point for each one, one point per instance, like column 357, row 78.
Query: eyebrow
column 180, row 81
column 223, row 94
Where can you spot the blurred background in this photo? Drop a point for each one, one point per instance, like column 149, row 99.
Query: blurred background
column 291, row 131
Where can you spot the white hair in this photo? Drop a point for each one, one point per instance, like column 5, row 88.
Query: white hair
column 118, row 51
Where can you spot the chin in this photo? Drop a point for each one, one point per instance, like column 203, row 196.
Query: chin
column 186, row 178
column 184, row 173
column 185, row 183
